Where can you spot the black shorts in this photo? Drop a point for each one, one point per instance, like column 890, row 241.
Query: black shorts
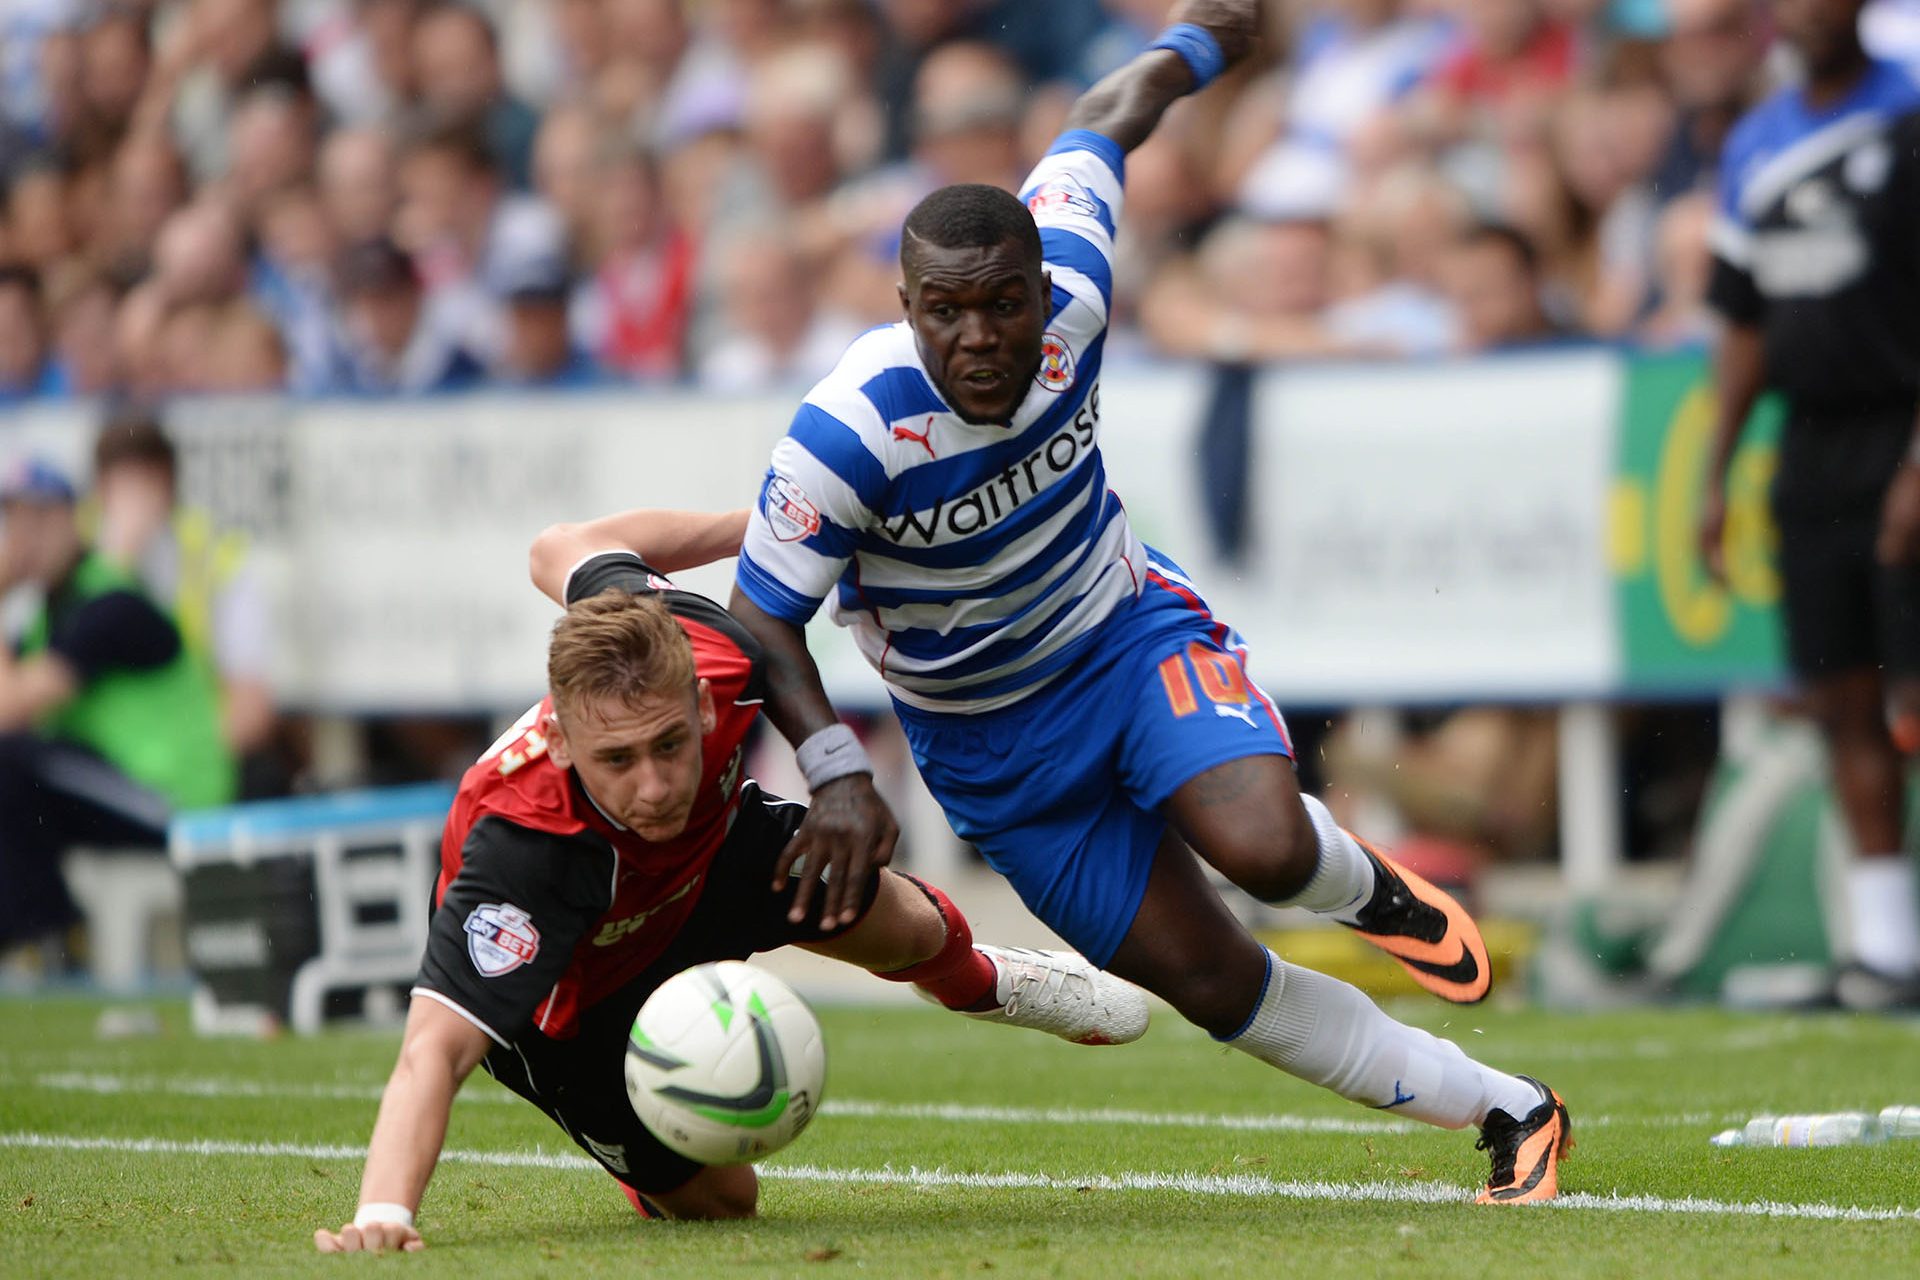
column 580, row 1082
column 1843, row 610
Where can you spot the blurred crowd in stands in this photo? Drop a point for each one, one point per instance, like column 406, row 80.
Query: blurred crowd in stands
column 373, row 196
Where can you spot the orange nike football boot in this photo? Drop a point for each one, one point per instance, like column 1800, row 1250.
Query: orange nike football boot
column 1422, row 927
column 1527, row 1152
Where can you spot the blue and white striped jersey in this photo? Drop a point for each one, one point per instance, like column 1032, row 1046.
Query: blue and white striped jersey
column 971, row 562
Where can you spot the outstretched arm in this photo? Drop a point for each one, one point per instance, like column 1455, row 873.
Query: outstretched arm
column 440, row 1050
column 668, row 540
column 1127, row 104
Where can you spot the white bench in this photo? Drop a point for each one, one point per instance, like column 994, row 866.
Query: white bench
column 292, row 902
column 131, row 901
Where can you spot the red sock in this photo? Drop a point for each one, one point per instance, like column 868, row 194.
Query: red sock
column 641, row 1205
column 958, row 976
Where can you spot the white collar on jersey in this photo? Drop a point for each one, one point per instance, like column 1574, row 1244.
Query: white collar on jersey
column 597, row 808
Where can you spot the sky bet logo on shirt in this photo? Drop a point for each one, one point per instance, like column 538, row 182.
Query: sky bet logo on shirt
column 789, row 511
column 1064, row 194
column 500, row 938
column 1004, row 493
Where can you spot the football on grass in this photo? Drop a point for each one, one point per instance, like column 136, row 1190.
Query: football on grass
column 725, row 1063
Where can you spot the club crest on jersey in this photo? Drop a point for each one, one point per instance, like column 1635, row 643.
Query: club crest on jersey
column 790, row 512
column 500, row 938
column 1060, row 195
column 1056, row 363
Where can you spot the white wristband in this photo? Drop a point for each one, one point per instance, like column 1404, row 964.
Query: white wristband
column 380, row 1212
column 829, row 754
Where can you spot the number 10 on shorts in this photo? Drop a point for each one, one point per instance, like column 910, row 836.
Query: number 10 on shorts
column 1219, row 675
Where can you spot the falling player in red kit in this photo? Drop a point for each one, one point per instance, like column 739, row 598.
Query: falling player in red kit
column 609, row 841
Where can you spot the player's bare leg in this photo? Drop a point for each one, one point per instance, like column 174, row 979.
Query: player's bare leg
column 1903, row 706
column 901, row 929
column 1850, row 709
column 1187, row 948
column 717, row 1191
column 914, row 933
column 1869, row 785
column 1249, row 820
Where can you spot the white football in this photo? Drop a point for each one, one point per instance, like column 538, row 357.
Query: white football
column 725, row 1063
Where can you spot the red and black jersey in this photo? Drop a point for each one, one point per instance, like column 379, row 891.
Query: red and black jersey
column 544, row 905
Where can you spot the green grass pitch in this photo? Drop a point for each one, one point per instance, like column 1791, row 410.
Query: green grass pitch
column 952, row 1149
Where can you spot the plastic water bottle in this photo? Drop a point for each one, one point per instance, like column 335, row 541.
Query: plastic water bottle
column 1900, row 1122
column 1835, row 1129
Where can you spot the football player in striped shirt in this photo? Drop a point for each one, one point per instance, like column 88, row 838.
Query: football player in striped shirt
column 1081, row 716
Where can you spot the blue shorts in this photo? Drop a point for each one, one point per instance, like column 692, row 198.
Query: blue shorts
column 1062, row 790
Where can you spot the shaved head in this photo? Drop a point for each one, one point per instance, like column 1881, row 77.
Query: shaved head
column 968, row 215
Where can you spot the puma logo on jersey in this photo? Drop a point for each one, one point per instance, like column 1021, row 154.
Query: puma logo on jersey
column 614, row 930
column 918, row 437
column 1227, row 710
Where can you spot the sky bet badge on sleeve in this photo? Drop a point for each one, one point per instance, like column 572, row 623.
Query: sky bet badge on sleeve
column 500, row 938
column 1063, row 193
column 791, row 514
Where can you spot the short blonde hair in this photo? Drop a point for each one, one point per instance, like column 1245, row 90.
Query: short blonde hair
column 619, row 646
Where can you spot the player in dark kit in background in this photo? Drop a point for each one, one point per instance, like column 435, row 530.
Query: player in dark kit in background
column 1817, row 274
column 608, row 842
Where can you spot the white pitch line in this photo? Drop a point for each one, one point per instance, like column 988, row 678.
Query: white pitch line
column 1239, row 1185
column 853, row 1108
column 214, row 1087
column 106, row 1084
column 296, row 1150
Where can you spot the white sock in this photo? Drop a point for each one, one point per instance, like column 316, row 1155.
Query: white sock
column 1343, row 882
column 1328, row 1033
column 1886, row 913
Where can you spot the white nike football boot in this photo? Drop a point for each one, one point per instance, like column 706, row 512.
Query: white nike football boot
column 1060, row 993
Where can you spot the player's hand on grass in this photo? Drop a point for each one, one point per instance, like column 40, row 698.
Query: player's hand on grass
column 375, row 1237
column 1234, row 23
column 1899, row 541
column 849, row 833
column 1713, row 532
